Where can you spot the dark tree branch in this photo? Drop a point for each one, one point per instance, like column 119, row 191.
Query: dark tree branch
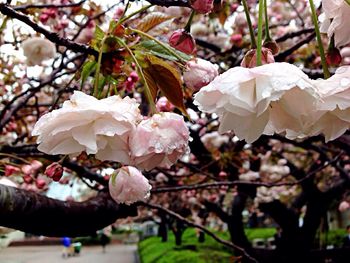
column 283, row 55
column 168, row 3
column 25, row 7
column 34, row 213
column 31, row 150
column 53, row 37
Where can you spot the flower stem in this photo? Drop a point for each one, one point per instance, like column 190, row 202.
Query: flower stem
column 260, row 31
column 98, row 68
column 139, row 68
column 122, row 20
column 249, row 22
column 189, row 22
column 267, row 30
column 319, row 40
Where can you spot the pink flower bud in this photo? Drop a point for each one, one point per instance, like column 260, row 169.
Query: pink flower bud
column 10, row 170
column 200, row 73
column 54, row 171
column 273, row 46
column 333, row 57
column 40, row 183
column 249, row 60
column 27, row 179
column 36, row 165
column 163, row 105
column 202, row 6
column 44, row 18
column 128, row 185
column 27, row 169
column 183, row 41
column 236, row 39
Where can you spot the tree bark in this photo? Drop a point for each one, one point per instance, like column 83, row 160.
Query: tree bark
column 37, row 214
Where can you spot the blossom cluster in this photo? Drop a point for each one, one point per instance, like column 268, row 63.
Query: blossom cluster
column 113, row 129
column 278, row 98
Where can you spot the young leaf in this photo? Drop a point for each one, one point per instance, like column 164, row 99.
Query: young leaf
column 160, row 51
column 168, row 80
column 98, row 36
column 88, row 68
column 152, row 20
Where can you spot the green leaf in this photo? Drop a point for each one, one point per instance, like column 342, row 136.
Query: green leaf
column 97, row 39
column 160, row 51
column 88, row 68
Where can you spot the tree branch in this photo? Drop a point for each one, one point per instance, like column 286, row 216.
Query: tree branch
column 37, row 214
column 53, row 37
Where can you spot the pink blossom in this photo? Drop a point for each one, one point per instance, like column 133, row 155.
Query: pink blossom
column 36, row 165
column 27, row 169
column 163, row 105
column 54, row 171
column 272, row 98
column 337, row 21
column 199, row 73
column 84, row 123
column 128, row 185
column 183, row 41
column 343, row 206
column 159, row 141
column 10, row 170
column 202, row 6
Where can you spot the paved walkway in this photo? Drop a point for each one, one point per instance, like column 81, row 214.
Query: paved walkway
column 52, row 254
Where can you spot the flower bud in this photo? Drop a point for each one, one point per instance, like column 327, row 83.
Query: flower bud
column 200, row 73
column 236, row 39
column 183, row 41
column 249, row 60
column 40, row 183
column 128, row 185
column 273, row 46
column 334, row 57
column 202, row 6
column 54, row 171
column 10, row 170
column 164, row 105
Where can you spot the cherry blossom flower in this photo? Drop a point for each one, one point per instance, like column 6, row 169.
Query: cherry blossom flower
column 37, row 50
column 249, row 176
column 128, row 185
column 334, row 104
column 273, row 98
column 199, row 73
column 202, row 6
column 343, row 206
column 84, row 123
column 159, row 141
column 214, row 140
column 336, row 23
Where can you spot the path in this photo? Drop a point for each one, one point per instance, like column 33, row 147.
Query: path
column 52, row 254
